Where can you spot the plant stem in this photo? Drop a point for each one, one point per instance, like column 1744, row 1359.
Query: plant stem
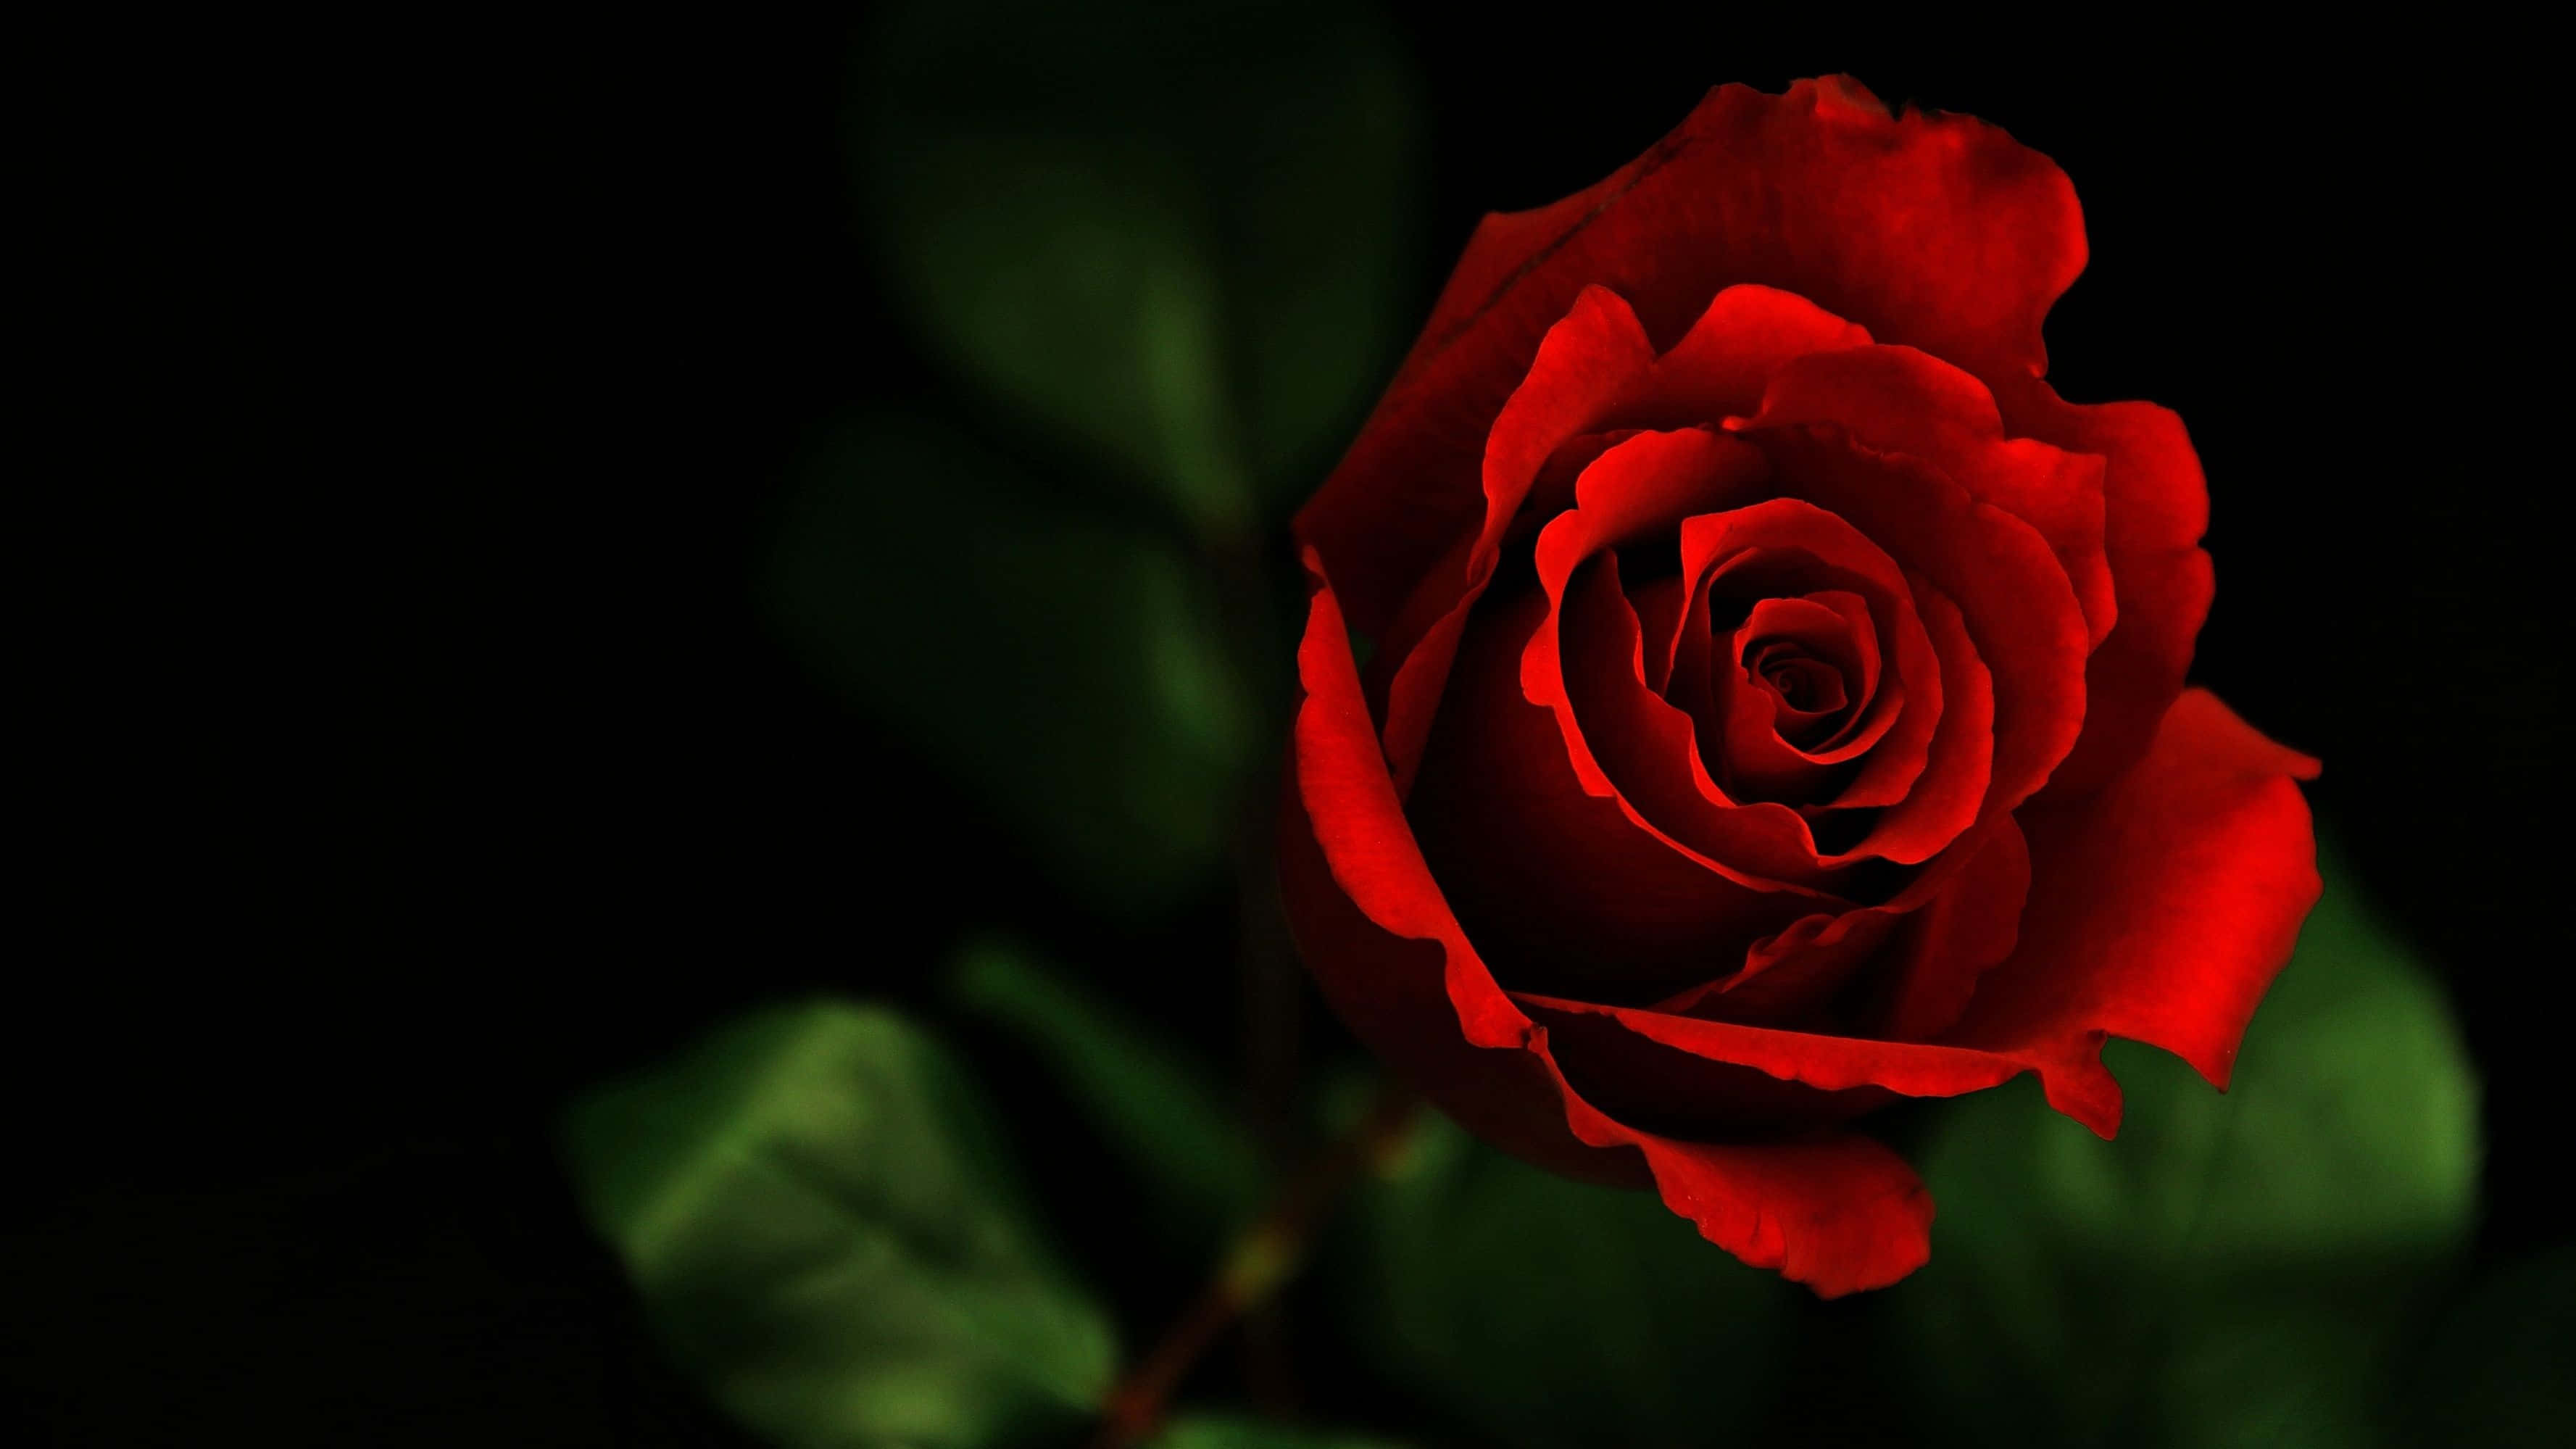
column 1243, row 565
column 1262, row 1257
column 1273, row 1003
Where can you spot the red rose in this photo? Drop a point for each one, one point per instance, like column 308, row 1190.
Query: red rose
column 1776, row 705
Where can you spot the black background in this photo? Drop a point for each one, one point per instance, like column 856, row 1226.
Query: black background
column 404, row 750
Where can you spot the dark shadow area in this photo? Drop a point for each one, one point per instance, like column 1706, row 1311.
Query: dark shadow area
column 406, row 749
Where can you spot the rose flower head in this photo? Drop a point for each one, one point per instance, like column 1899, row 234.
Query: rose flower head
column 1773, row 693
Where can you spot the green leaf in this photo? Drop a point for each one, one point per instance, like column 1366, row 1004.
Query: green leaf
column 1204, row 1431
column 1066, row 669
column 2233, row 1269
column 1155, row 1107
column 1173, row 234
column 815, row 1209
column 1546, row 1312
column 2494, row 1372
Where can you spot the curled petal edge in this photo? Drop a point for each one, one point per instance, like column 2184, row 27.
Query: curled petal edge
column 1836, row 1211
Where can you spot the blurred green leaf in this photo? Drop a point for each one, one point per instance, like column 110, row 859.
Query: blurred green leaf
column 2233, row 1269
column 1173, row 233
column 1546, row 1312
column 1203, row 1431
column 1067, row 669
column 816, row 1211
column 1156, row 1108
column 2499, row 1369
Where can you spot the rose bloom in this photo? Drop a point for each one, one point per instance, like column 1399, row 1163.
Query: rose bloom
column 1773, row 692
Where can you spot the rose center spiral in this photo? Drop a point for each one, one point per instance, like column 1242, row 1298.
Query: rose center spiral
column 1811, row 690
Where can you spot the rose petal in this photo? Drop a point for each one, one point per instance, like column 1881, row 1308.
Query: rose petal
column 1852, row 678
column 2159, row 911
column 1390, row 991
column 1951, row 791
column 1651, row 482
column 1758, row 762
column 1553, row 492
column 1807, row 694
column 1659, row 604
column 1823, row 1060
column 1785, row 546
column 1793, row 974
column 1564, row 888
column 2160, row 908
column 1744, row 336
column 2017, row 602
column 1900, row 400
column 1933, row 766
column 1630, row 745
column 1595, row 368
column 1591, row 358
column 1341, row 783
column 1839, row 1213
column 1958, row 937
column 1937, row 231
column 2156, row 507
column 1679, row 1093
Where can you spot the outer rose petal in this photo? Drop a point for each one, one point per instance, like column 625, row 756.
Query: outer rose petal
column 1837, row 1212
column 1589, row 360
column 1900, row 400
column 1695, row 1062
column 1567, row 890
column 2160, row 908
column 2156, row 508
column 1937, row 231
column 1390, row 991
column 1959, row 937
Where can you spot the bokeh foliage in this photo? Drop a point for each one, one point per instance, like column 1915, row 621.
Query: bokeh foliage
column 1176, row 1135
column 2231, row 1269
column 1063, row 665
column 1162, row 251
column 1174, row 234
column 822, row 1216
column 1538, row 1311
column 2495, row 1368
column 817, row 1209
